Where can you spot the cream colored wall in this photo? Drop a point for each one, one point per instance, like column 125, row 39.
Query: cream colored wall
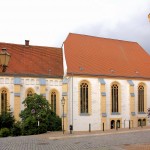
column 103, row 106
column 65, row 90
column 133, row 119
column 17, row 102
column 42, row 89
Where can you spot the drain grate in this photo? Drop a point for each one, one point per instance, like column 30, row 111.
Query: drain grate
column 76, row 142
column 42, row 143
column 127, row 144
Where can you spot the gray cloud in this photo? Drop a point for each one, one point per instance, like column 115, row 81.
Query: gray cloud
column 137, row 30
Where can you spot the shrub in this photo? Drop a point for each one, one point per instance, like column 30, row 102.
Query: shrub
column 42, row 128
column 16, row 130
column 4, row 132
column 6, row 120
column 54, row 122
column 29, row 126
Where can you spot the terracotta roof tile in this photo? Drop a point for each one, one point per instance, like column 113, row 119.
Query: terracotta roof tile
column 105, row 57
column 34, row 60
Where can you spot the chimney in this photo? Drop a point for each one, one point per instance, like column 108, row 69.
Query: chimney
column 27, row 43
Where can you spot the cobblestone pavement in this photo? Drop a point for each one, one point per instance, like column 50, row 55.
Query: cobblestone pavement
column 138, row 139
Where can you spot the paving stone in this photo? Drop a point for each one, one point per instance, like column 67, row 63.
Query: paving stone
column 110, row 140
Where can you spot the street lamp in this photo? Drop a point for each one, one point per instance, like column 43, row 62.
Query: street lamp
column 149, row 17
column 63, row 103
column 4, row 59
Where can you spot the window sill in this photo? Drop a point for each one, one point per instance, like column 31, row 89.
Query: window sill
column 84, row 114
column 115, row 113
column 141, row 113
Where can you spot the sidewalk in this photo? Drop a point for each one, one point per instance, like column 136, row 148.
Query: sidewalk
column 59, row 134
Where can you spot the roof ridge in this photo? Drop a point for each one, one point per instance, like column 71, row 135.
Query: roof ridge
column 92, row 36
column 29, row 45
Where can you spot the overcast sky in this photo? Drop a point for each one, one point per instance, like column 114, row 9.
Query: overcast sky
column 48, row 22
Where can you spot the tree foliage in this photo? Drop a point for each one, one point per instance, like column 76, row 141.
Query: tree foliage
column 7, row 119
column 37, row 116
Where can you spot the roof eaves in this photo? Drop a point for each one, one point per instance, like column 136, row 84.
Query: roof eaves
column 31, row 75
column 106, row 75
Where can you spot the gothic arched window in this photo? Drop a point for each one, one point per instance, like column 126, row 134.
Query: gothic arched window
column 29, row 93
column 141, row 98
column 3, row 101
column 53, row 101
column 114, row 95
column 84, row 98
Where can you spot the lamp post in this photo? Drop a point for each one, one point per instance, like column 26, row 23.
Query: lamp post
column 38, row 116
column 4, row 59
column 149, row 17
column 63, row 103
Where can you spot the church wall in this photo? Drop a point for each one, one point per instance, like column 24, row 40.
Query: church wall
column 82, row 121
column 100, row 104
column 146, row 100
column 17, row 88
column 124, row 101
column 128, row 111
column 7, row 83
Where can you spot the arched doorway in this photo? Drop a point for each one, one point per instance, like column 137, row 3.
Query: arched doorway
column 139, row 122
column 112, row 124
column 144, row 122
column 118, row 123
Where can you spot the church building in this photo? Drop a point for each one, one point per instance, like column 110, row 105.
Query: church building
column 105, row 82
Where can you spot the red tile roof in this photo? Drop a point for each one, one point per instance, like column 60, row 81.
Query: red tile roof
column 88, row 55
column 34, row 60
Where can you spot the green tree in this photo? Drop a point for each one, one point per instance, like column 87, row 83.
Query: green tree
column 37, row 116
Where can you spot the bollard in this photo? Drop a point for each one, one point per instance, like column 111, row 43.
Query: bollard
column 103, row 126
column 71, row 128
column 89, row 127
column 124, row 123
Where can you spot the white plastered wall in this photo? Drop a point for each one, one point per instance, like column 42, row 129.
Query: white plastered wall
column 125, row 105
column 81, row 122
